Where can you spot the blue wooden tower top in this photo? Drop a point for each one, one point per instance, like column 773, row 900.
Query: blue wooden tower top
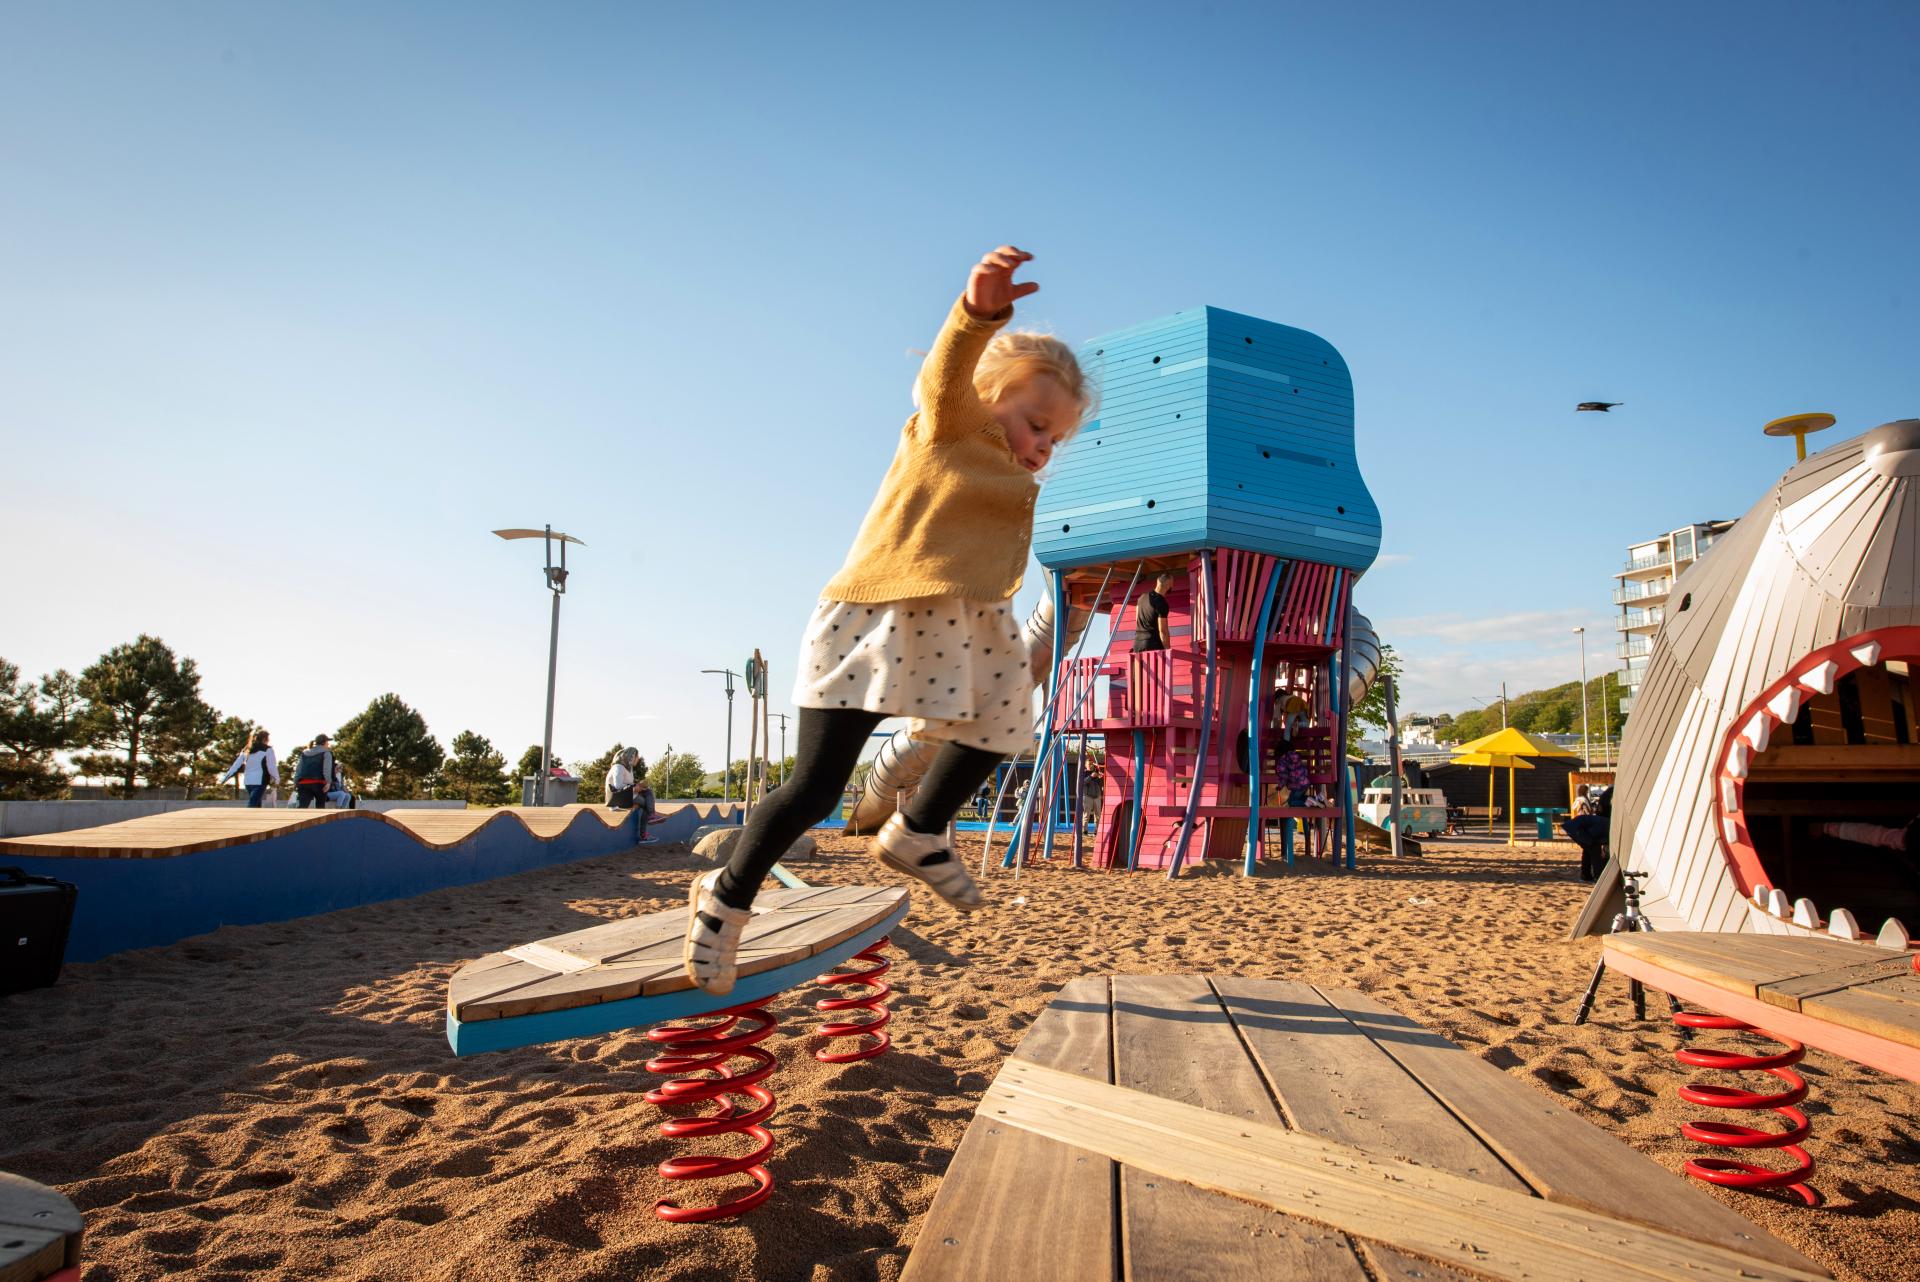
column 1215, row 430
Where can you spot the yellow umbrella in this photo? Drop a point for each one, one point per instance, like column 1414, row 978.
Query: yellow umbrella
column 1505, row 747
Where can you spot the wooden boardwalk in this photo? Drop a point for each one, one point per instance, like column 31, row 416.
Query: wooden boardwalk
column 1175, row 1127
column 1855, row 1001
column 186, row 832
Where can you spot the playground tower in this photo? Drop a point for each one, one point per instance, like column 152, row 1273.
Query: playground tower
column 1224, row 453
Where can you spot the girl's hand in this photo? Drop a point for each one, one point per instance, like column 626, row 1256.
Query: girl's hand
column 990, row 288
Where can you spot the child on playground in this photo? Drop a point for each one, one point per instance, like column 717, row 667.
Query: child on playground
column 918, row 622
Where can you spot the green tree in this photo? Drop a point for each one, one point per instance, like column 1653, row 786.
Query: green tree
column 388, row 749
column 35, row 724
column 593, row 776
column 180, row 748
column 1372, row 710
column 530, row 762
column 676, row 774
column 476, row 773
column 136, row 695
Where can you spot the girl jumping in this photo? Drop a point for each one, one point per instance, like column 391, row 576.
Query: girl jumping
column 917, row 623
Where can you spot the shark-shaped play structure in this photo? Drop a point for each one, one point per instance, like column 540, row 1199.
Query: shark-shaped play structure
column 1779, row 698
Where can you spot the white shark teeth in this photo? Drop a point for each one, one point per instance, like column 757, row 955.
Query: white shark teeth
column 1737, row 760
column 1729, row 795
column 1868, row 654
column 1760, row 893
column 1758, row 731
column 1841, row 925
column 1805, row 914
column 1777, row 903
column 1730, row 830
column 1820, row 677
column 1893, row 934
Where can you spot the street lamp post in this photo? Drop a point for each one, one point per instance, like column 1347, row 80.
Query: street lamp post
column 1586, row 761
column 556, row 576
column 783, row 743
column 1606, row 718
column 726, row 766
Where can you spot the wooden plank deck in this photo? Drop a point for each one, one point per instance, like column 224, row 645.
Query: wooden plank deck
column 1176, row 1127
column 1857, row 1001
column 641, row 956
column 186, row 832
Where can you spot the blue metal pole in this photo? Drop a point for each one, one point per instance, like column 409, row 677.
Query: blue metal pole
column 1139, row 797
column 1255, row 690
column 1023, row 826
column 1346, row 711
column 1206, row 714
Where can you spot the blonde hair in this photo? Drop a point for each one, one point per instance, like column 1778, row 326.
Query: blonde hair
column 1015, row 356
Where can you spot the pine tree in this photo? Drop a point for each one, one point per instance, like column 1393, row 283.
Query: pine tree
column 35, row 724
column 476, row 773
column 388, row 749
column 136, row 695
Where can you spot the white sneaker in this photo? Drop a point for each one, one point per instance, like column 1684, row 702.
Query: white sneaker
column 901, row 849
column 710, row 953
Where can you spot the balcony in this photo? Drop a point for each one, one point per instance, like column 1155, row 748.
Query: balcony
column 1632, row 590
column 1647, row 620
column 1635, row 646
column 1658, row 563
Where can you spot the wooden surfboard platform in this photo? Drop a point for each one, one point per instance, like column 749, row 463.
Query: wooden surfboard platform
column 629, row 972
column 1854, row 1000
column 1185, row 1127
column 39, row 1232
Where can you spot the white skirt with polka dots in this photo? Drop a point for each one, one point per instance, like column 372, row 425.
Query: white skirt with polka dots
column 957, row 669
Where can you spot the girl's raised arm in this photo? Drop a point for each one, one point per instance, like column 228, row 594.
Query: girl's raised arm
column 947, row 399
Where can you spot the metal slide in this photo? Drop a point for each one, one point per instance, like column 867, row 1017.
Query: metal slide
column 903, row 760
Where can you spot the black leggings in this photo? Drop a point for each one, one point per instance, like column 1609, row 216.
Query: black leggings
column 829, row 746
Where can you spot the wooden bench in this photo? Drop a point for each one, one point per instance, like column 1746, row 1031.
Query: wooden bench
column 39, row 1233
column 1172, row 1127
column 622, row 974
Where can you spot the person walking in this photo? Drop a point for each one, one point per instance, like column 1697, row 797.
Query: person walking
column 918, row 622
column 257, row 767
column 313, row 776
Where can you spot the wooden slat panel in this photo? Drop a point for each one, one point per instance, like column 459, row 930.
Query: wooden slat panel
column 1562, row 1157
column 1173, row 1039
column 1791, row 993
column 1495, row 1233
column 1334, row 1082
column 1014, row 1203
column 1888, row 1008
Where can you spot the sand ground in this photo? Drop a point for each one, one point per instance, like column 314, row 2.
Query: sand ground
column 279, row 1102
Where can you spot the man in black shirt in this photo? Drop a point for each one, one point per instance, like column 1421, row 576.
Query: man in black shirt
column 1150, row 617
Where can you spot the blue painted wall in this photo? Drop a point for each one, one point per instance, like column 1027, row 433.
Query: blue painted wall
column 354, row 860
column 1215, row 430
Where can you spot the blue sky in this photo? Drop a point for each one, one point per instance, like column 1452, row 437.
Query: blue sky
column 298, row 301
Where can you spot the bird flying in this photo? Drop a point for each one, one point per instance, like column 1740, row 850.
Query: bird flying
column 1602, row 406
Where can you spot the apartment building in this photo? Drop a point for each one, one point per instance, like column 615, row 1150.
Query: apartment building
column 1641, row 590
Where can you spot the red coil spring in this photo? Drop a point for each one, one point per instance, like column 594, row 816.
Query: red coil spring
column 1726, row 1171
column 873, row 1000
column 690, row 1049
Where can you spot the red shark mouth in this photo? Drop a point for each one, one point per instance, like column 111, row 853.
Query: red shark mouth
column 1761, row 724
